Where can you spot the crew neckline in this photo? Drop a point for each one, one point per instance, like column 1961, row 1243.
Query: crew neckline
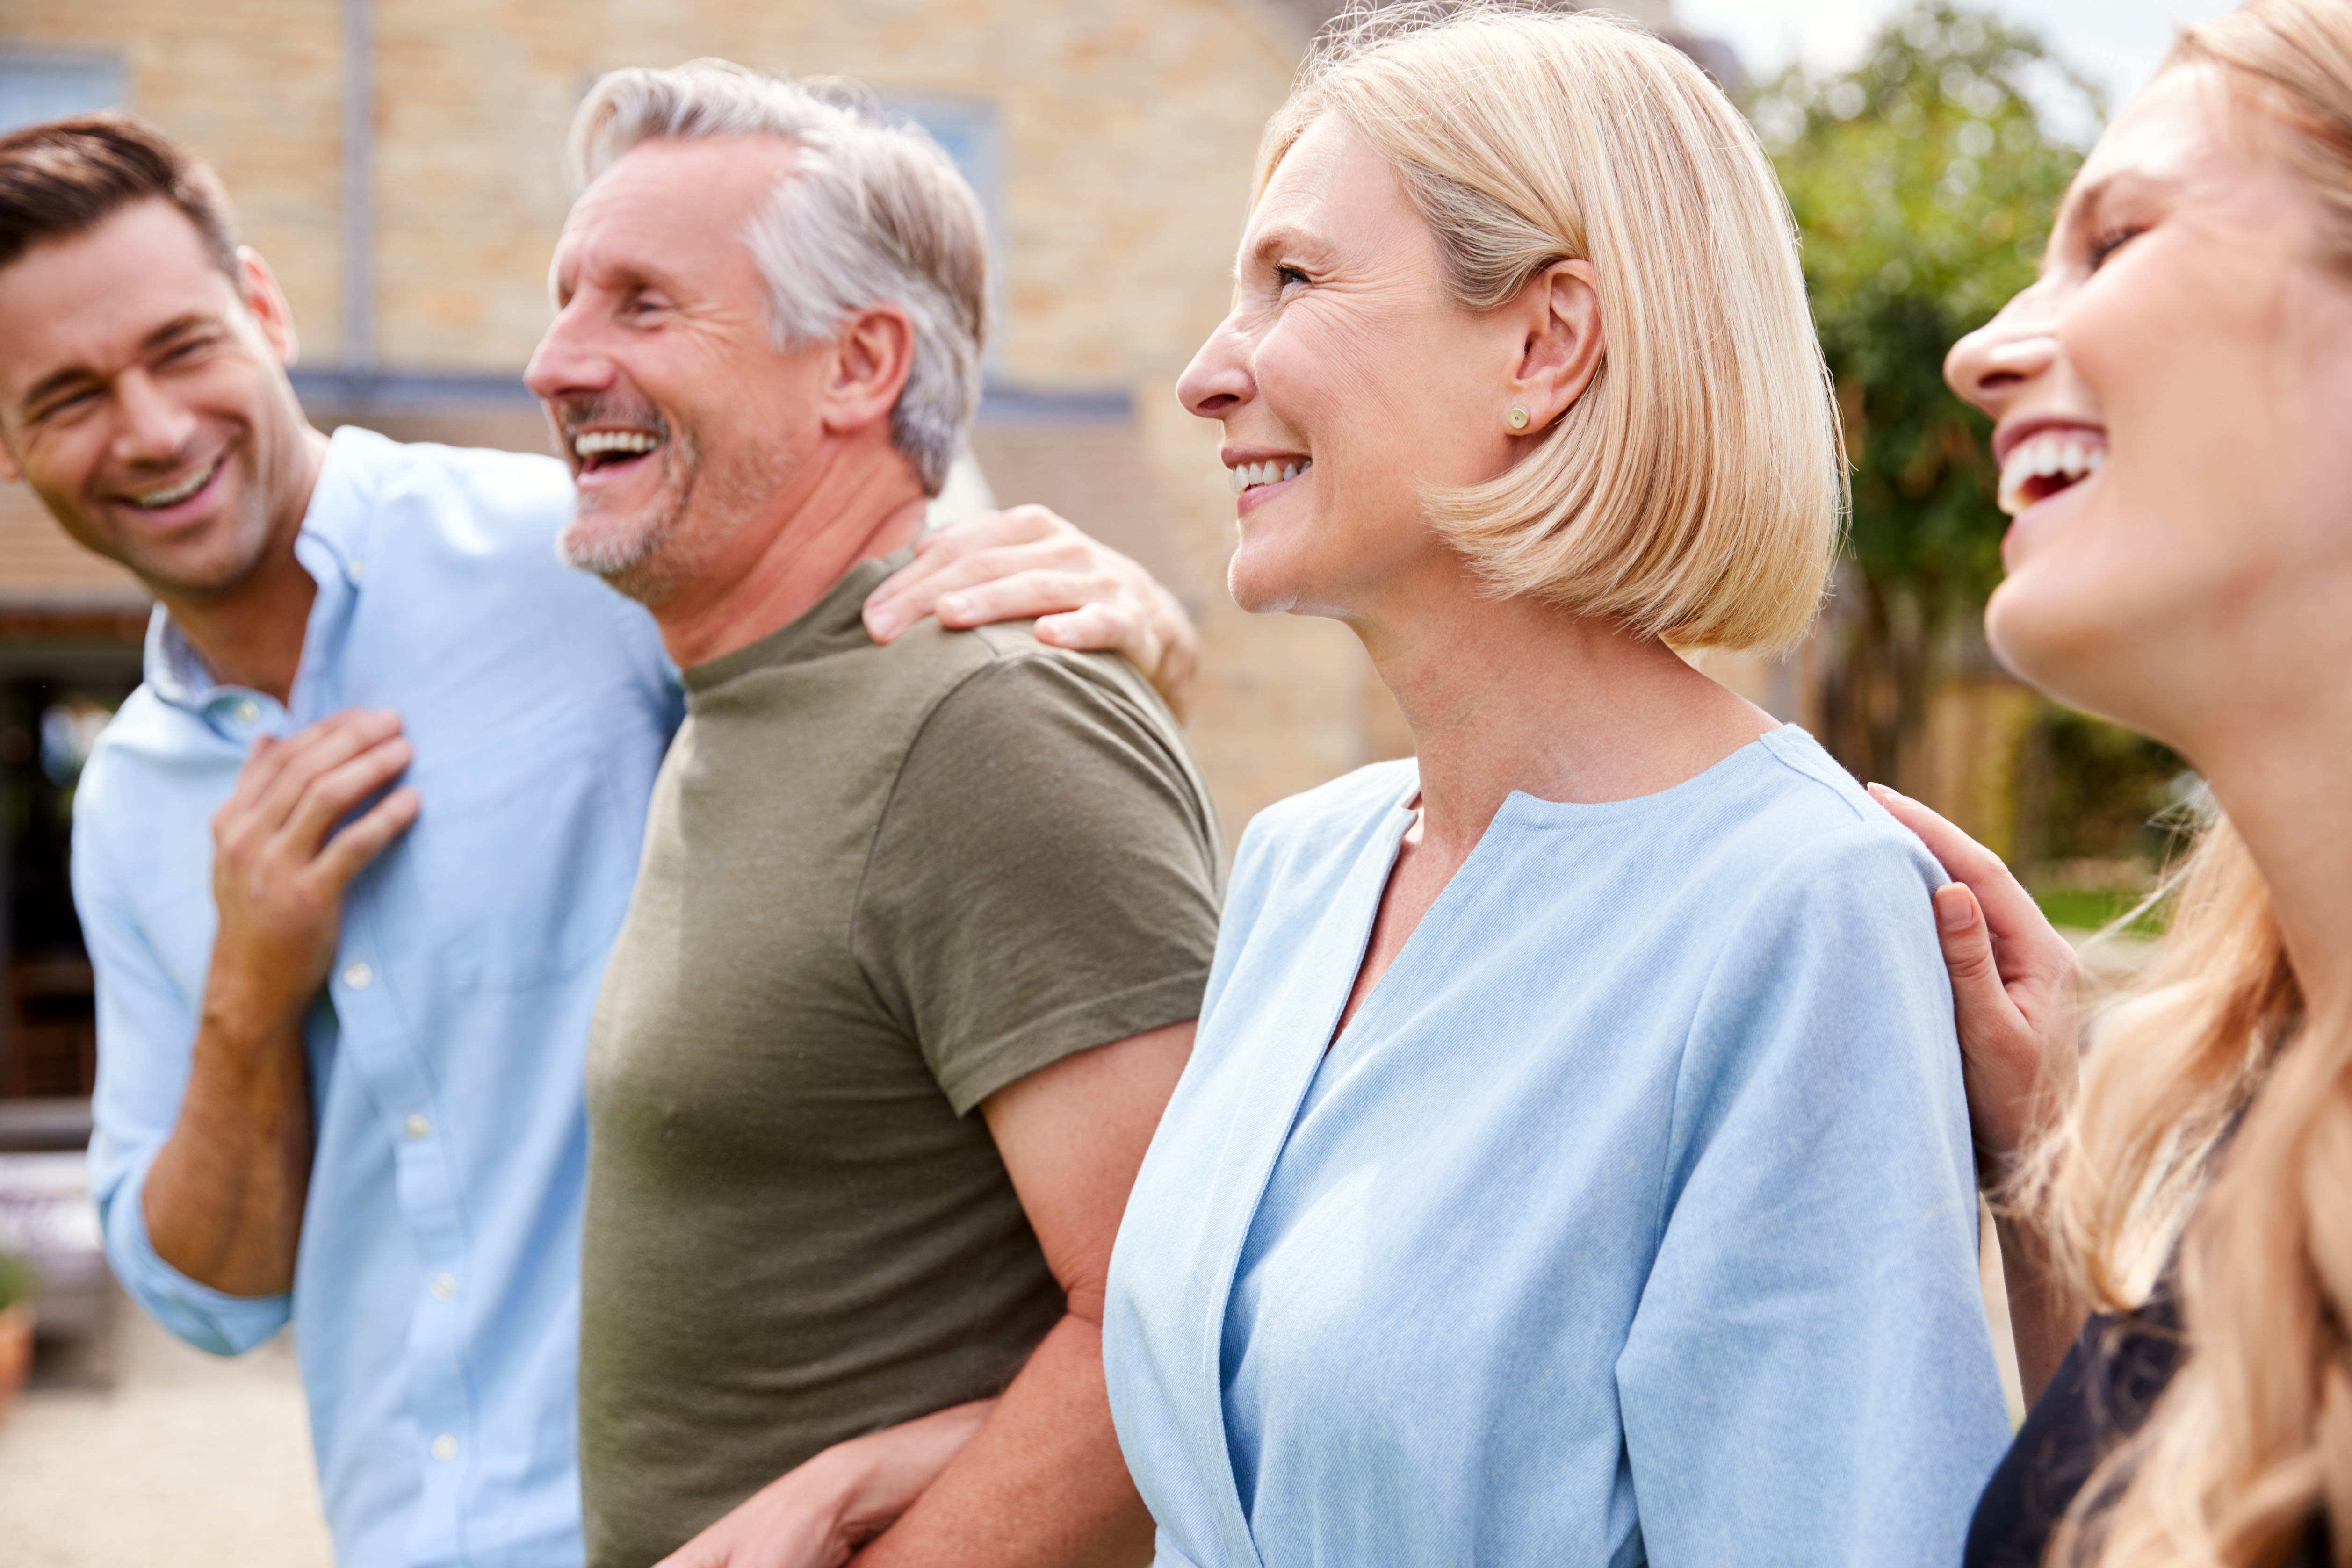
column 834, row 620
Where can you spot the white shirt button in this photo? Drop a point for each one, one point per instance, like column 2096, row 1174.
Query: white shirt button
column 249, row 711
column 417, row 1125
column 357, row 976
column 358, row 570
column 444, row 1447
column 444, row 1285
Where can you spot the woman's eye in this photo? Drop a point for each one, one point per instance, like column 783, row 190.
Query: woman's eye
column 2107, row 243
column 1283, row 276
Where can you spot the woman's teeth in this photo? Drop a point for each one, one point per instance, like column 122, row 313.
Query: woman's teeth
column 1248, row 476
column 2042, row 465
column 172, row 494
column 595, row 443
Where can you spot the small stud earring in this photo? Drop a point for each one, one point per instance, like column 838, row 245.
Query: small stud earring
column 1518, row 419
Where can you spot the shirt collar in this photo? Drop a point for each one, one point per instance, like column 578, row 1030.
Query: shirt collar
column 331, row 546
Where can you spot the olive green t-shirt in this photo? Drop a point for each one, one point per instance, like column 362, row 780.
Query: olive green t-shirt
column 879, row 885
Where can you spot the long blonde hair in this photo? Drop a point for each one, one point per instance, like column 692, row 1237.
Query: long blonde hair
column 2214, row 1124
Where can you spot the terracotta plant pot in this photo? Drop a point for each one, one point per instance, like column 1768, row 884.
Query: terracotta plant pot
column 15, row 1352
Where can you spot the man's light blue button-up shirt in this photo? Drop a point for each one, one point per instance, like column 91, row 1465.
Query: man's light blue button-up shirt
column 436, row 1292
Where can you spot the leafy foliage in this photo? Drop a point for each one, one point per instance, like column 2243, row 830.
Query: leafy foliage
column 1923, row 181
column 17, row 1279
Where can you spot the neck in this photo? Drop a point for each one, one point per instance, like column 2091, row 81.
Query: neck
column 792, row 555
column 1511, row 694
column 251, row 635
column 2282, row 783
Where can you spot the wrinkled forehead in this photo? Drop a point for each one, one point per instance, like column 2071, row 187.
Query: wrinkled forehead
column 672, row 200
column 1331, row 184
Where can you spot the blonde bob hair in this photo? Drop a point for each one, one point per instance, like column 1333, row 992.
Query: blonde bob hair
column 1694, row 491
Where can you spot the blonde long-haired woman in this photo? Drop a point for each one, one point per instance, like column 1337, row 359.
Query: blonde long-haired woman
column 1572, row 1166
column 2174, row 400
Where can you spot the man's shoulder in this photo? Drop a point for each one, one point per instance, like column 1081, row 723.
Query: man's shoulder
column 152, row 765
column 475, row 500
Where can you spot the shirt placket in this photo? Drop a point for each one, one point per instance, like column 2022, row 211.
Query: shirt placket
column 377, row 1042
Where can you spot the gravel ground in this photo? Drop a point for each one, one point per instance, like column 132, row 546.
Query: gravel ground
column 145, row 1451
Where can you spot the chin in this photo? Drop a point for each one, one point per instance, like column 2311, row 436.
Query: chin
column 2088, row 655
column 217, row 561
column 1258, row 589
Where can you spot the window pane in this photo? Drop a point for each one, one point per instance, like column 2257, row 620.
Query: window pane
column 34, row 87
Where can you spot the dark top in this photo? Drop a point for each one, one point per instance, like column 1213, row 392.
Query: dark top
column 2102, row 1395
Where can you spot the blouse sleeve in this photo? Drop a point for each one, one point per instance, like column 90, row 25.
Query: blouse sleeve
column 1810, row 1376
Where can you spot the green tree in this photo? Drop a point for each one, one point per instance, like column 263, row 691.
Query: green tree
column 1923, row 182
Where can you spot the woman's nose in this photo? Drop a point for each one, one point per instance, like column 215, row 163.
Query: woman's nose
column 2008, row 352
column 1218, row 380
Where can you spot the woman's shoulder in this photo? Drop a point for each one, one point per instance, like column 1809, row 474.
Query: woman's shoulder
column 1810, row 822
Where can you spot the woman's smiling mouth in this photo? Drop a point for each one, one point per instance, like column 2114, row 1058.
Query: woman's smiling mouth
column 1247, row 476
column 2047, row 462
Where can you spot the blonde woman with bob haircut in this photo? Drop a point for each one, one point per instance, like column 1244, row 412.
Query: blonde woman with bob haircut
column 1573, row 1165
column 2188, row 571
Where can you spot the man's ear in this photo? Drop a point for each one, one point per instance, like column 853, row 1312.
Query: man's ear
column 265, row 303
column 871, row 359
column 1562, row 344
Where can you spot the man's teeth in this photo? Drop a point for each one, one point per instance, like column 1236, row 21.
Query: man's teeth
column 172, row 494
column 601, row 441
column 2066, row 456
column 1249, row 475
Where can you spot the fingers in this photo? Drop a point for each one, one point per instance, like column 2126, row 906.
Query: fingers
column 1977, row 995
column 364, row 838
column 986, row 550
column 1963, row 858
column 331, row 795
column 1102, row 628
column 1027, row 595
column 2015, row 922
column 274, row 785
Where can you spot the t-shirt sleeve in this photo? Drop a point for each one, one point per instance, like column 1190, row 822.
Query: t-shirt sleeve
column 1810, row 1379
column 1044, row 876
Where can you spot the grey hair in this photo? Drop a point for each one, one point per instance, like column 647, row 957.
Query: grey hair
column 875, row 213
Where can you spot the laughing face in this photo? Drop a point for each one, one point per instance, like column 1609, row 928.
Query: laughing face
column 144, row 397
column 2170, row 402
column 1348, row 384
column 677, row 413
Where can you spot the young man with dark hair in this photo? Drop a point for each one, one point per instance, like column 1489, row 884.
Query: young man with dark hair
column 350, row 861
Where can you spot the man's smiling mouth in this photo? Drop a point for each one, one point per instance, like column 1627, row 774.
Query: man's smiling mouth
column 172, row 494
column 599, row 450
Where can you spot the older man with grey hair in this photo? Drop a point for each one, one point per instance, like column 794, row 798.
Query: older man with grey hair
column 824, row 1307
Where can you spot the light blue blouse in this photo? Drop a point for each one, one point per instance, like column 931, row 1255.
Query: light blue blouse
column 1633, row 1218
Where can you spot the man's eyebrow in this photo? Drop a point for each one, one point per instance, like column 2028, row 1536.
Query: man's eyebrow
column 178, row 326
column 71, row 376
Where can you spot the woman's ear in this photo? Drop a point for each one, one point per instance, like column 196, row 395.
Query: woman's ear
column 1563, row 345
